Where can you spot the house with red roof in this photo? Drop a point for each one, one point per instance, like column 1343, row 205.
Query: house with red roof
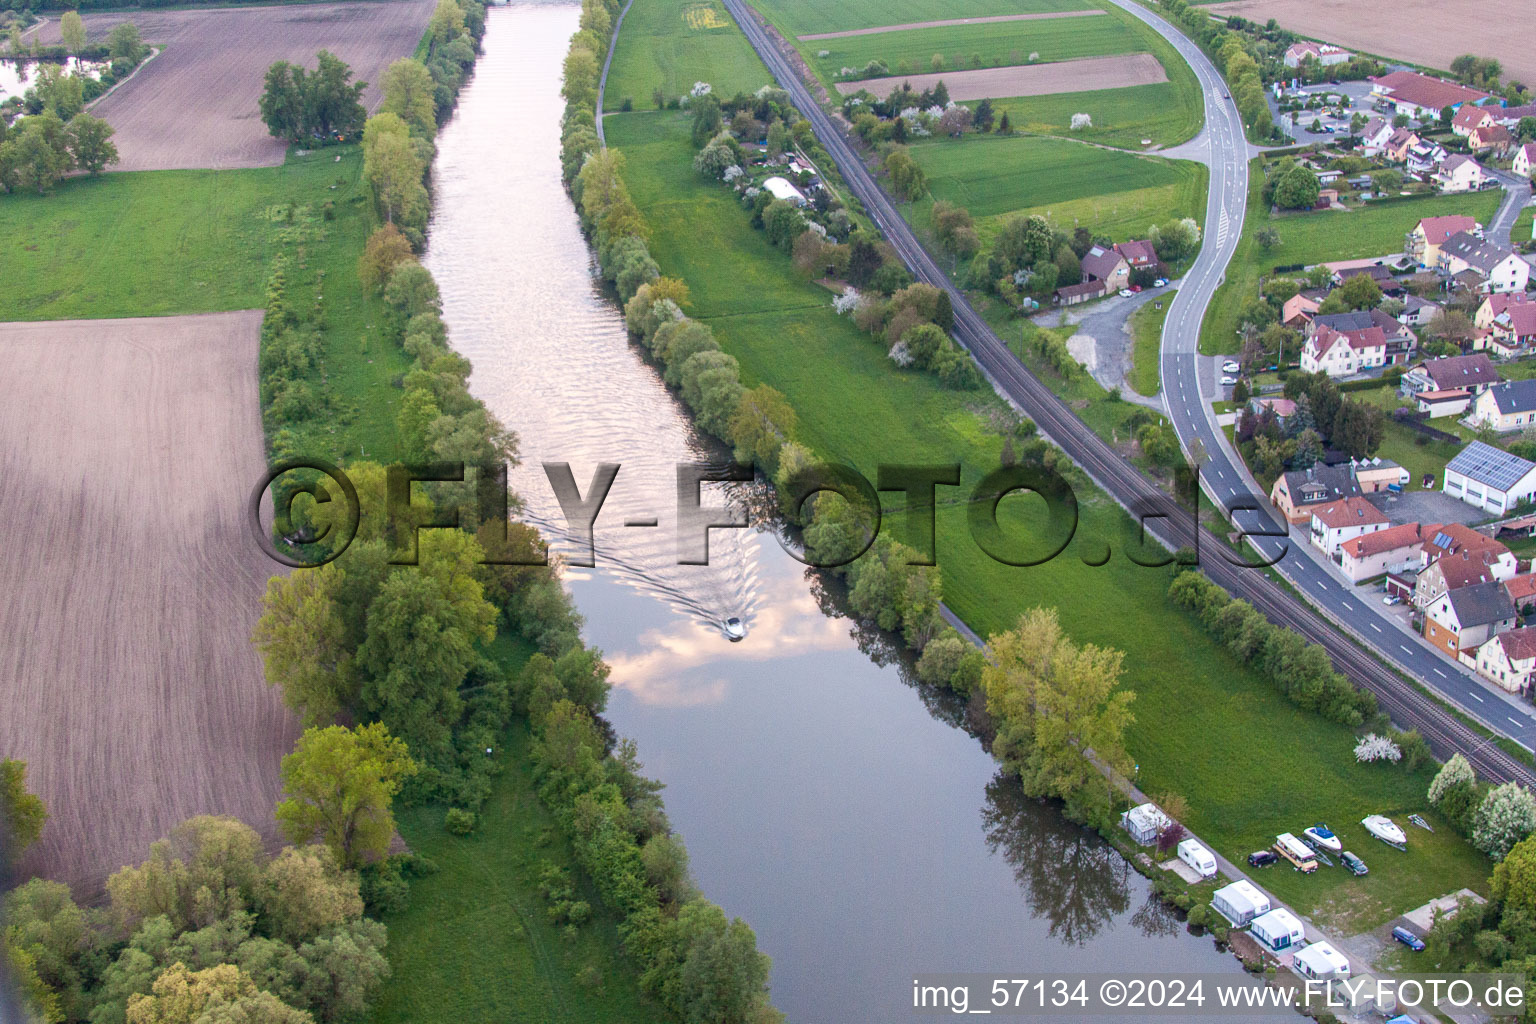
column 1381, row 551
column 1325, row 54
column 1423, row 243
column 1509, row 659
column 1138, row 254
column 1345, row 519
column 1468, row 119
column 1514, row 330
column 1106, row 265
column 1494, row 304
column 1344, row 353
column 1493, row 139
column 1422, row 96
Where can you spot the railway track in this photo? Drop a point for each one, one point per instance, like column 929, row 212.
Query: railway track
column 1405, row 702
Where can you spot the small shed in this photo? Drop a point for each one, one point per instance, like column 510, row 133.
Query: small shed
column 1240, row 902
column 1277, row 930
column 780, row 188
column 1144, row 823
column 1321, row 962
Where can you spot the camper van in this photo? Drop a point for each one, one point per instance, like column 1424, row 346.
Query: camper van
column 1197, row 857
column 1297, row 852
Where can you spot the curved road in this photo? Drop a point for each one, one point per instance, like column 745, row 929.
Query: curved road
column 1404, row 701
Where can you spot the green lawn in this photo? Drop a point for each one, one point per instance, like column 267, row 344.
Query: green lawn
column 994, row 174
column 1248, row 762
column 997, row 44
column 1415, row 452
column 672, row 44
column 476, row 943
column 1314, row 238
column 800, row 17
column 1147, row 332
column 161, row 243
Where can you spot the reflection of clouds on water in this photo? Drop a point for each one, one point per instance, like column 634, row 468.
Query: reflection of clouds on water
column 687, row 664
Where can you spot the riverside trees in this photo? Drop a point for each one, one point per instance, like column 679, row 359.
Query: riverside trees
column 298, row 104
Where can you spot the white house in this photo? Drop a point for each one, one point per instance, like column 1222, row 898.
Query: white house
column 1325, row 54
column 1240, row 902
column 1381, row 551
column 1321, row 962
column 1490, row 478
column 1374, row 136
column 1509, row 659
column 1278, row 930
column 1343, row 353
column 1525, row 160
column 1505, row 407
column 1502, row 269
column 1460, row 621
column 1346, row 519
column 1460, row 173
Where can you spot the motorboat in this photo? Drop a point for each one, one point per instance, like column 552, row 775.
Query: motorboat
column 735, row 630
column 1385, row 829
column 1320, row 835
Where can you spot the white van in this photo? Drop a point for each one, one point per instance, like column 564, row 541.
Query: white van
column 1197, row 857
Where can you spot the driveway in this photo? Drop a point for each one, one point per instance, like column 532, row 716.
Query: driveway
column 1425, row 507
column 1103, row 341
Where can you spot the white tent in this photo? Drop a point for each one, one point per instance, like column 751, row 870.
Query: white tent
column 1240, row 902
column 780, row 188
column 1321, row 961
column 1279, row 929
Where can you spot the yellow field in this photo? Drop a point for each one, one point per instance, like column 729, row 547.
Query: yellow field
column 702, row 17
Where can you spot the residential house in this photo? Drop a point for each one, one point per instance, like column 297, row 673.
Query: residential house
column 1343, row 353
column 1505, row 407
column 1399, row 342
column 1381, row 275
column 1298, row 310
column 1493, row 139
column 1106, row 265
column 1452, row 573
column 1509, row 659
column 1424, row 241
column 1424, row 158
column 1382, row 551
column 1417, row 312
column 1493, row 305
column 1325, row 54
column 1283, row 408
column 1072, row 294
column 1502, row 269
column 1513, row 331
column 1138, row 254
column 1339, row 521
column 1298, row 492
column 1374, row 136
column 1468, row 617
column 1422, row 96
column 1474, row 373
column 1470, row 118
column 1454, row 539
column 1522, row 592
column 1460, row 173
column 1398, row 145
column 1525, row 160
column 1490, row 478
column 1510, row 117
column 1378, row 474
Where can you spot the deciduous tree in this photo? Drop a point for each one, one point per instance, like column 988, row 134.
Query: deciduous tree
column 72, row 31
column 90, row 142
column 408, row 93
column 22, row 814
column 339, row 784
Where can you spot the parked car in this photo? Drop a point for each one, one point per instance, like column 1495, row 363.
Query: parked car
column 1408, row 939
column 1126, row 293
column 1135, row 288
column 1228, row 382
column 1230, row 366
column 1391, row 599
column 1261, row 859
column 1355, row 864
column 1160, row 282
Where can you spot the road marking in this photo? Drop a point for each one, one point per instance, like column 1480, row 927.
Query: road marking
column 1515, row 720
column 1406, row 648
column 1478, row 699
column 1442, row 675
column 1376, row 627
column 1322, row 584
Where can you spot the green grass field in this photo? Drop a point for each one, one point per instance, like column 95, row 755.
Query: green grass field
column 992, row 174
column 672, row 44
column 476, row 944
column 1206, row 727
column 1147, row 332
column 1314, row 238
column 997, row 44
column 801, row 17
column 162, row 243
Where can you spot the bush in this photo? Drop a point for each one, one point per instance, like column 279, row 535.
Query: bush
column 460, row 822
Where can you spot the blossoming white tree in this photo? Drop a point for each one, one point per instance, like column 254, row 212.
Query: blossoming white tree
column 1506, row 816
column 1377, row 748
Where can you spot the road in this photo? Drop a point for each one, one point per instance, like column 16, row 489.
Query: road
column 1517, row 196
column 1407, row 705
column 602, row 82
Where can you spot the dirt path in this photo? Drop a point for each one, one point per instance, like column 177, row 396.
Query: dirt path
column 946, row 23
column 129, row 682
column 195, row 105
column 1027, row 79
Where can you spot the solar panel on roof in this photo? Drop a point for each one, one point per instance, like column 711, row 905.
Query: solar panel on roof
column 1490, row 466
column 1442, row 540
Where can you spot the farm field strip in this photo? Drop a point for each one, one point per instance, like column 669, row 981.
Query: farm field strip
column 671, row 47
column 1398, row 28
column 195, row 105
column 138, row 700
column 798, row 17
column 967, row 48
column 946, row 23
column 1028, row 79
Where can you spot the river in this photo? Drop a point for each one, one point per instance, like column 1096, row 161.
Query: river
column 825, row 798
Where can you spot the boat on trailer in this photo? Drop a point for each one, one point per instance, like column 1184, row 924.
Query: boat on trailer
column 1385, row 829
column 1320, row 836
